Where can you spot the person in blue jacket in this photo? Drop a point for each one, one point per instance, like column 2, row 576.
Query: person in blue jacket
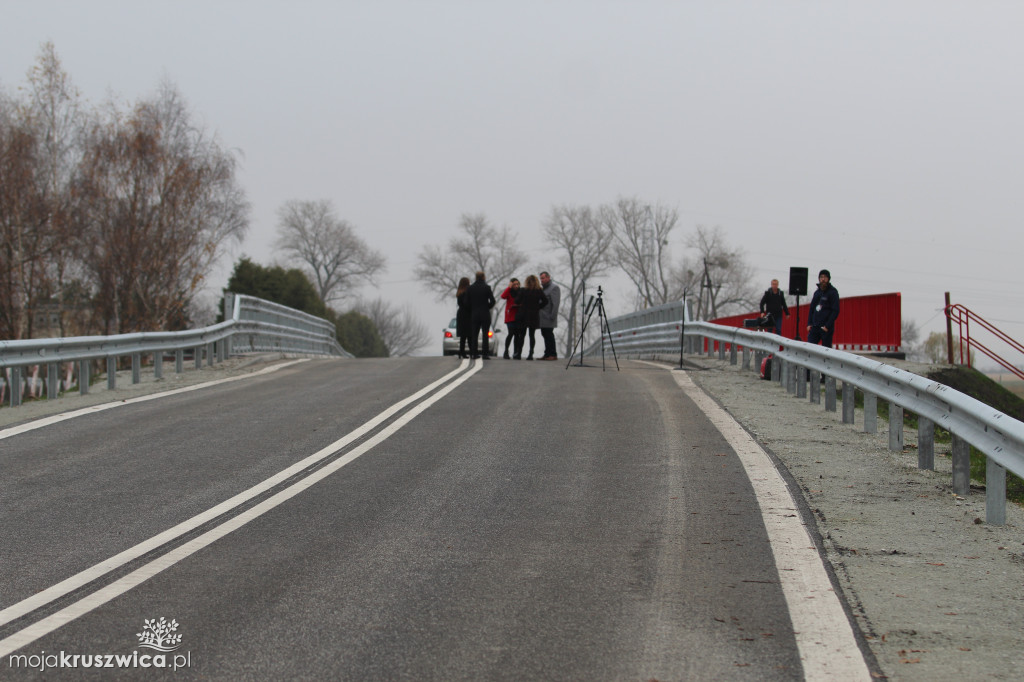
column 821, row 323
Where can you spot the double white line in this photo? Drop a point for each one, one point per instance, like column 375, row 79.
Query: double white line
column 118, row 587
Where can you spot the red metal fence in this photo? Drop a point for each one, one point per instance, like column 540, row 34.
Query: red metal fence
column 963, row 318
column 866, row 323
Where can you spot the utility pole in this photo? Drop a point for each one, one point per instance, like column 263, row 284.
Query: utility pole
column 949, row 331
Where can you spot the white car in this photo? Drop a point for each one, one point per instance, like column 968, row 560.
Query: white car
column 450, row 341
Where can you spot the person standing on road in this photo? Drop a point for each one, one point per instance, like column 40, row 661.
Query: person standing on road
column 774, row 303
column 509, row 296
column 481, row 300
column 821, row 323
column 531, row 299
column 463, row 320
column 549, row 315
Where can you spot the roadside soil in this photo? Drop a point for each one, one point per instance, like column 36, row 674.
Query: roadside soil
column 936, row 593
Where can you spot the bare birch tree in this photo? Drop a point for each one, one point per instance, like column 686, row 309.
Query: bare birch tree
column 640, row 233
column 311, row 234
column 481, row 246
column 161, row 205
column 402, row 332
column 719, row 276
column 582, row 242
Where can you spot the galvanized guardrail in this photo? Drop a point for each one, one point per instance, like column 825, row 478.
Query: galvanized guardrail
column 799, row 367
column 255, row 326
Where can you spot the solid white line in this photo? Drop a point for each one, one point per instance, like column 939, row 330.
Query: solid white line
column 78, row 580
column 47, row 421
column 828, row 648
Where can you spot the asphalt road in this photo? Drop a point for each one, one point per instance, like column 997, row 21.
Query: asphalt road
column 330, row 520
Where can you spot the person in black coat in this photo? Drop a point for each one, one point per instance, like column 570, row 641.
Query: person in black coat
column 824, row 311
column 463, row 322
column 481, row 300
column 774, row 303
column 531, row 299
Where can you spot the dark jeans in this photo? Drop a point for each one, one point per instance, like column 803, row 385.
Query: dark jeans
column 548, row 334
column 513, row 329
column 521, row 335
column 816, row 334
column 478, row 329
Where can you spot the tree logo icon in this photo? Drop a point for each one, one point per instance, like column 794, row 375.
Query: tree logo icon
column 159, row 635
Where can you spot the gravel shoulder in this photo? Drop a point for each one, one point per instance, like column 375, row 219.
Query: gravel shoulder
column 937, row 593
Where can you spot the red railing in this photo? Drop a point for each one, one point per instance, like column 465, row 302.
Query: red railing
column 963, row 318
column 866, row 323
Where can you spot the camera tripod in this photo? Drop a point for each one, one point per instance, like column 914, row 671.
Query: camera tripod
column 592, row 305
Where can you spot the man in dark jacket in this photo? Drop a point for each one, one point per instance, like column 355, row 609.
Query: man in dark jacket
column 481, row 300
column 774, row 303
column 821, row 324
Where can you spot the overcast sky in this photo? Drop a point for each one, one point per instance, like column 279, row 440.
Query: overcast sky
column 880, row 140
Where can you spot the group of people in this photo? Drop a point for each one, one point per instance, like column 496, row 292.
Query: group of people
column 528, row 307
column 824, row 309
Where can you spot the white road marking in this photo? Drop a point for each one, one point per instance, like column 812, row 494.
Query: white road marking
column 122, row 585
column 93, row 409
column 824, row 636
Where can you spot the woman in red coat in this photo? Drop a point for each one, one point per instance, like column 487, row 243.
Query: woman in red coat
column 510, row 293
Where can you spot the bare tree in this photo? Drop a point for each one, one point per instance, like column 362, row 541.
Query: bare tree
column 402, row 332
column 311, row 234
column 583, row 243
column 160, row 205
column 719, row 275
column 641, row 247
column 481, row 247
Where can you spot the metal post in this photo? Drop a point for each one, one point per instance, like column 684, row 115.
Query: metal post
column 895, row 427
column 830, row 394
column 209, row 354
column 801, row 382
column 925, row 443
column 158, row 365
column 15, row 386
column 198, row 351
column 746, row 358
column 961, row 466
column 848, row 402
column 995, row 493
column 111, row 372
column 870, row 413
column 136, row 368
column 52, row 380
column 732, row 353
column 814, row 387
column 84, row 369
column 179, row 361
column 776, row 369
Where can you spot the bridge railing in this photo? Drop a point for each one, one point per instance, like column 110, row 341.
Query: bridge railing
column 800, row 366
column 254, row 326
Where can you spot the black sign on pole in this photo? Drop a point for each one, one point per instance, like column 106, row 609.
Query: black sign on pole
column 798, row 288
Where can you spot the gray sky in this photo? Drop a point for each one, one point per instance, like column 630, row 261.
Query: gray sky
column 880, row 140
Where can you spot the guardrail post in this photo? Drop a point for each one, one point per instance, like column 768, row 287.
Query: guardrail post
column 746, row 358
column 870, row 413
column 789, row 369
column 925, row 443
column 84, row 369
column 15, row 387
column 179, row 361
column 814, row 387
column 52, row 380
column 136, row 368
column 995, row 493
column 111, row 372
column 198, row 352
column 776, row 369
column 158, row 364
column 830, row 394
column 711, row 347
column 801, row 381
column 848, row 402
column 209, row 354
column 961, row 466
column 895, row 427
column 732, row 353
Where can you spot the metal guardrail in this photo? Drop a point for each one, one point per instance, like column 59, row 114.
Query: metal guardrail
column 800, row 366
column 255, row 326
